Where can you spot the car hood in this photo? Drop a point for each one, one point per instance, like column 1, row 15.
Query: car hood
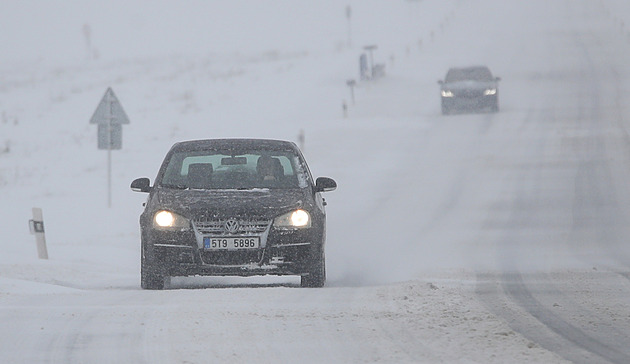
column 469, row 85
column 262, row 203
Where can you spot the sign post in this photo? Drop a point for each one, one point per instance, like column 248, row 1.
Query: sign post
column 109, row 116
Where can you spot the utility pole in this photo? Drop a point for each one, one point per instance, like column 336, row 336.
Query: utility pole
column 348, row 17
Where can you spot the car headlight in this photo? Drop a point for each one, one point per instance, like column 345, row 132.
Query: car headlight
column 169, row 221
column 490, row 91
column 293, row 219
column 447, row 93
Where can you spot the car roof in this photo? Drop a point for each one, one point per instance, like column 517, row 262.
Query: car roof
column 234, row 143
column 470, row 68
column 479, row 73
column 467, row 70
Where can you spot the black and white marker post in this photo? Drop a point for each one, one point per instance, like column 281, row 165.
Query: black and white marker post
column 37, row 228
column 109, row 116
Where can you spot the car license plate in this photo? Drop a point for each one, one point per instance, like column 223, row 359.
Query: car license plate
column 230, row 243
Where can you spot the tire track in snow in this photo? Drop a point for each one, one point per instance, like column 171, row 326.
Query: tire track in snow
column 514, row 286
column 596, row 220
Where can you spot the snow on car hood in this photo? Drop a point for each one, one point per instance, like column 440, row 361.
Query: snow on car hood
column 265, row 203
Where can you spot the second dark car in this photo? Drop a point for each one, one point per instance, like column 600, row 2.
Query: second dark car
column 469, row 89
column 239, row 207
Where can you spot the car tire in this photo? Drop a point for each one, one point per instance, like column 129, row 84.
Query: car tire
column 316, row 277
column 150, row 276
column 495, row 106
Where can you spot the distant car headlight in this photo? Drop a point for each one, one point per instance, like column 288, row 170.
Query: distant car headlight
column 490, row 91
column 170, row 221
column 447, row 93
column 293, row 219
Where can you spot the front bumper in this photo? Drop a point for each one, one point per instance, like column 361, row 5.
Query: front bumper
column 281, row 252
column 466, row 103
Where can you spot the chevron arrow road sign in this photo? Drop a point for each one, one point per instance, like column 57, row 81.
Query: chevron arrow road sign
column 109, row 115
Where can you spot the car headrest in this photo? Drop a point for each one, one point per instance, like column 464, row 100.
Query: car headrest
column 199, row 175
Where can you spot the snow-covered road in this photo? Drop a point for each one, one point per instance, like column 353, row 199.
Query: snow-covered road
column 483, row 238
column 408, row 322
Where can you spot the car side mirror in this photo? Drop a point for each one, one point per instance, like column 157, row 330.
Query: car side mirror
column 440, row 82
column 325, row 184
column 141, row 185
column 497, row 79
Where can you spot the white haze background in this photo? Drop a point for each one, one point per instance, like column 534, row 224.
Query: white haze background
column 208, row 70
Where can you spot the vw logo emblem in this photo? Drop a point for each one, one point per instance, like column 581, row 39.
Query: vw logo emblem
column 231, row 226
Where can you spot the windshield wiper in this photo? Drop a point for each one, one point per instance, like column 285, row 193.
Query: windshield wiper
column 177, row 187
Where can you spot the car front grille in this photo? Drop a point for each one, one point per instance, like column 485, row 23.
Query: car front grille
column 232, row 257
column 239, row 226
column 469, row 93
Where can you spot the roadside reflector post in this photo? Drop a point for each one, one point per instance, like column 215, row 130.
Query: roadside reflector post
column 36, row 226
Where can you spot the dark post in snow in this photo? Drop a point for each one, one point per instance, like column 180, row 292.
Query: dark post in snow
column 348, row 16
column 301, row 140
column 87, row 34
column 363, row 67
column 351, row 84
column 109, row 116
column 36, row 226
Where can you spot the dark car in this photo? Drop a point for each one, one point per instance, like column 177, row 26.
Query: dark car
column 241, row 207
column 469, row 89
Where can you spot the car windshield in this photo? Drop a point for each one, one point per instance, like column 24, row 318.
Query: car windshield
column 469, row 74
column 215, row 169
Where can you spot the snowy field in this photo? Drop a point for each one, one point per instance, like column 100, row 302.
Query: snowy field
column 473, row 238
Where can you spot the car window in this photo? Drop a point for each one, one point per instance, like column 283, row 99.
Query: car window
column 229, row 170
